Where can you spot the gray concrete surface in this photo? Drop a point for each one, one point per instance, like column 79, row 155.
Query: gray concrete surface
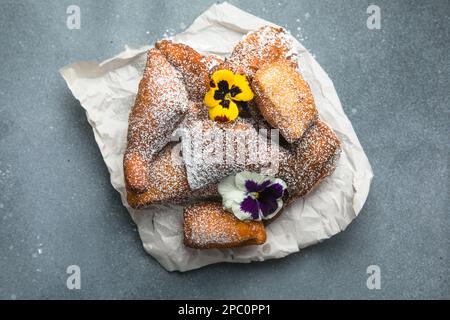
column 57, row 207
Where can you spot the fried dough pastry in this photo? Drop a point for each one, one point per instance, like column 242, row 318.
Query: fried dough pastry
column 207, row 225
column 168, row 182
column 311, row 159
column 259, row 47
column 160, row 105
column 302, row 167
column 284, row 99
column 214, row 150
column 191, row 66
column 212, row 63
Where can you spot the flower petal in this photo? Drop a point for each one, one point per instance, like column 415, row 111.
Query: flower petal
column 251, row 206
column 220, row 113
column 238, row 213
column 273, row 214
column 280, row 182
column 230, row 194
column 223, row 75
column 246, row 93
column 233, row 111
column 209, row 98
column 274, row 190
column 268, row 204
column 244, row 176
column 252, row 186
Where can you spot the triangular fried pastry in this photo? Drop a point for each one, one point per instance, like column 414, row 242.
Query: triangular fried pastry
column 160, row 105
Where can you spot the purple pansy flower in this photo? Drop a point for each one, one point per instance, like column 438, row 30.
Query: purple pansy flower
column 252, row 196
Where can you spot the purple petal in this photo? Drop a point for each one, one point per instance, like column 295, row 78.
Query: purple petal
column 264, row 185
column 252, row 186
column 268, row 204
column 275, row 190
column 250, row 206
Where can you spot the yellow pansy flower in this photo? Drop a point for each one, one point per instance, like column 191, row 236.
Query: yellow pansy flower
column 226, row 88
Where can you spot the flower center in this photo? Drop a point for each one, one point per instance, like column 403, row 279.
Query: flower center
column 255, row 195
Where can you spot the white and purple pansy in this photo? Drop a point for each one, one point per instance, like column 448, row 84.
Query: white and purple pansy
column 252, row 196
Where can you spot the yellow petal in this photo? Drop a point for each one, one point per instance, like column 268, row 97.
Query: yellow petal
column 219, row 113
column 223, row 75
column 246, row 93
column 216, row 112
column 233, row 111
column 209, row 98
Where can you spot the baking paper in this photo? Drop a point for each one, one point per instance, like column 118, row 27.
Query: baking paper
column 107, row 92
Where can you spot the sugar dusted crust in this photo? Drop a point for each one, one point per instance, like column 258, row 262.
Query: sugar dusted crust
column 161, row 103
column 259, row 47
column 221, row 146
column 302, row 167
column 212, row 63
column 190, row 63
column 175, row 78
column 311, row 159
column 284, row 99
column 207, row 225
column 168, row 182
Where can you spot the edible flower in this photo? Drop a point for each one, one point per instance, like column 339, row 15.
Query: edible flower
column 226, row 91
column 252, row 196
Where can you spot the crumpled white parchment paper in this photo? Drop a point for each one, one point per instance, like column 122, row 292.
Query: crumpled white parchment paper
column 107, row 92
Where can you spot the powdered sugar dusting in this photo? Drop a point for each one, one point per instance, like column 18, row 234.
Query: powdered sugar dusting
column 213, row 150
column 310, row 160
column 168, row 182
column 161, row 103
column 207, row 225
column 189, row 63
column 257, row 48
column 212, row 62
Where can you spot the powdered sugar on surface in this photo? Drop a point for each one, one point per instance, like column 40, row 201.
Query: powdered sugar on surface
column 262, row 46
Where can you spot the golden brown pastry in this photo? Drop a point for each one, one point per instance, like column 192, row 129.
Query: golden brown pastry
column 213, row 150
column 212, row 63
column 191, row 66
column 284, row 99
column 207, row 225
column 175, row 78
column 311, row 159
column 259, row 47
column 302, row 167
column 168, row 182
column 176, row 179
column 160, row 105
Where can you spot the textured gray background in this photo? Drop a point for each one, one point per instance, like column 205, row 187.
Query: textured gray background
column 58, row 208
